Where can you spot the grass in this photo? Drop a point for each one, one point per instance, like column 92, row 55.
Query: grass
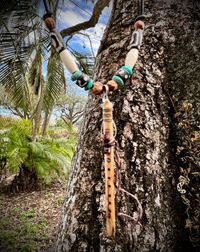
column 60, row 200
column 1, row 198
column 16, row 210
column 27, row 214
column 23, row 238
column 8, row 240
column 28, row 222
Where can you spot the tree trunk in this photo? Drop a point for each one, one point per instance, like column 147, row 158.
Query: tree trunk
column 38, row 112
column 46, row 121
column 144, row 113
column 25, row 181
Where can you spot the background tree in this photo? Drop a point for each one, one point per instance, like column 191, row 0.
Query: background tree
column 23, row 41
column 151, row 136
column 22, row 49
column 71, row 107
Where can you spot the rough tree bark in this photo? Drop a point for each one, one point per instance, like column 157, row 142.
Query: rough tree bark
column 144, row 115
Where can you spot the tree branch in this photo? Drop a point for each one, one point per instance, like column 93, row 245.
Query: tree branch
column 77, row 116
column 84, row 34
column 99, row 6
column 64, row 119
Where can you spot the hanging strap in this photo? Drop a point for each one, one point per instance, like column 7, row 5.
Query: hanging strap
column 141, row 15
column 47, row 9
column 141, row 7
column 48, row 14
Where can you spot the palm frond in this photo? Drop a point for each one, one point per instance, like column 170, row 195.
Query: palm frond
column 55, row 82
column 21, row 31
column 17, row 146
column 35, row 72
column 57, row 158
column 86, row 61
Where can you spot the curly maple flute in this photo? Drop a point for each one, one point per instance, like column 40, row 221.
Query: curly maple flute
column 108, row 141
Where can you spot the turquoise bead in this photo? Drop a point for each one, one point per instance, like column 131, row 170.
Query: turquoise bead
column 89, row 85
column 118, row 80
column 76, row 75
column 128, row 69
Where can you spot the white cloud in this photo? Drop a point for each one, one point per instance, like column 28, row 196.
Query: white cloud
column 95, row 34
column 71, row 15
column 83, row 41
column 67, row 4
column 71, row 18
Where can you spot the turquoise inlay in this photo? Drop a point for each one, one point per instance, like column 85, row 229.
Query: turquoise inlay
column 107, row 115
column 108, row 120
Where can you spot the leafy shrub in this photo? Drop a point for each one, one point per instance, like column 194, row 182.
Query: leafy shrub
column 45, row 157
column 7, row 122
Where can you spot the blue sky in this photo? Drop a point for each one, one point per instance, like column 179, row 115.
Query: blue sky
column 72, row 12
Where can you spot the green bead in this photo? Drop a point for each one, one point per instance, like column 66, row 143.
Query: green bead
column 118, row 80
column 89, row 85
column 76, row 75
column 128, row 69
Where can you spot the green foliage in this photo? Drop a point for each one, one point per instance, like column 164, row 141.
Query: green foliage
column 6, row 122
column 1, row 198
column 26, row 219
column 55, row 82
column 43, row 223
column 60, row 123
column 27, row 214
column 8, row 240
column 16, row 210
column 30, row 230
column 26, row 92
column 30, row 96
column 60, row 200
column 17, row 147
column 15, row 48
column 47, row 157
column 23, row 238
column 4, row 222
column 28, row 247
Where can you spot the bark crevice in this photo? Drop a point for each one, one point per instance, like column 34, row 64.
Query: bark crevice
column 144, row 114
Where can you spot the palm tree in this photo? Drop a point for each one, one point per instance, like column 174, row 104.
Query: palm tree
column 23, row 42
column 22, row 69
column 36, row 161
